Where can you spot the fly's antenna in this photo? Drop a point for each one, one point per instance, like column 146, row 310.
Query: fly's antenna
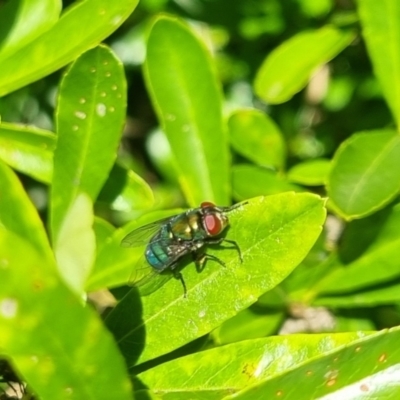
column 235, row 206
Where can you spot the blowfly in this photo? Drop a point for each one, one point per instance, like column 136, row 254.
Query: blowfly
column 170, row 239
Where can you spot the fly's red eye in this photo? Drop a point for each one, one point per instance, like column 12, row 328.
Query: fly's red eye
column 212, row 224
column 206, row 204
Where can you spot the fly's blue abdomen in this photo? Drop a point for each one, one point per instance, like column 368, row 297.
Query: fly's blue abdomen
column 157, row 252
column 157, row 255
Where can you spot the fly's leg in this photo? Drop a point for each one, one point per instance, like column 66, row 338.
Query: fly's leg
column 236, row 246
column 200, row 260
column 232, row 242
column 179, row 276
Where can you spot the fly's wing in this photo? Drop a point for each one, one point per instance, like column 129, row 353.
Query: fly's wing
column 148, row 279
column 142, row 235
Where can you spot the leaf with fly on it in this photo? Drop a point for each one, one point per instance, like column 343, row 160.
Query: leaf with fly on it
column 142, row 235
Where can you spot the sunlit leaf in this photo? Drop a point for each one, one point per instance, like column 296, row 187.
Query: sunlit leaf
column 362, row 368
column 370, row 297
column 126, row 191
column 28, row 150
column 216, row 373
column 381, row 31
column 182, row 83
column 270, row 233
column 18, row 215
column 23, row 21
column 39, row 333
column 82, row 26
column 310, row 173
column 248, row 324
column 250, row 180
column 90, row 116
column 365, row 173
column 288, row 68
column 363, row 272
column 256, row 136
column 75, row 246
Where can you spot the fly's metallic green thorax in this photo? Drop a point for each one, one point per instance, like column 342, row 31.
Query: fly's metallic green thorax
column 187, row 226
column 187, row 233
column 199, row 223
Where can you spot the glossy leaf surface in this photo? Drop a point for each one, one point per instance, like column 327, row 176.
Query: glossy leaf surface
column 102, row 230
column 381, row 31
column 19, row 215
column 288, row 68
column 365, row 173
column 219, row 372
column 363, row 271
column 310, row 173
column 250, row 180
column 126, row 191
column 27, row 149
column 90, row 116
column 182, row 82
column 81, row 27
column 363, row 368
column 370, row 297
column 270, row 234
column 255, row 135
column 23, row 21
column 57, row 356
column 251, row 323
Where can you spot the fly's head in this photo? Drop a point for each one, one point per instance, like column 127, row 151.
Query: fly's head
column 215, row 219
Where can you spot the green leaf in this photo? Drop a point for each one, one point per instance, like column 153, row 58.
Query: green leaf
column 159, row 151
column 362, row 272
column 364, row 368
column 137, row 195
column 270, row 233
column 370, row 297
column 250, row 180
column 18, row 215
column 365, row 173
column 310, row 173
column 102, row 230
column 28, row 150
column 255, row 135
column 251, row 323
column 57, row 356
column 23, row 21
column 288, row 68
column 316, row 9
column 216, row 373
column 75, row 246
column 90, row 116
column 351, row 320
column 126, row 191
column 381, row 31
column 82, row 26
column 182, row 83
column 358, row 235
column 300, row 285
